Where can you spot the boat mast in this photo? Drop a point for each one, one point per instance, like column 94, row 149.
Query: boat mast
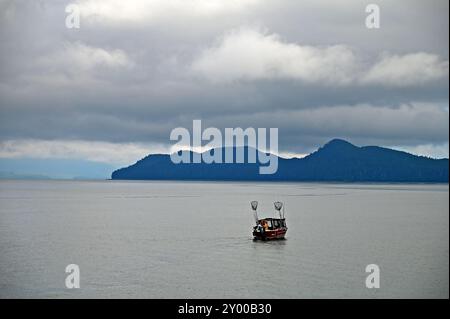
column 255, row 213
column 278, row 206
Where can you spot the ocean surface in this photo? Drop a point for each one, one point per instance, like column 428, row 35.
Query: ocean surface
column 193, row 240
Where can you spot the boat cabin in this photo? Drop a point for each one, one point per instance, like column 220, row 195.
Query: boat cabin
column 272, row 223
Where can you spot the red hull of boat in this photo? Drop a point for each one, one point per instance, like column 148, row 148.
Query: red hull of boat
column 270, row 234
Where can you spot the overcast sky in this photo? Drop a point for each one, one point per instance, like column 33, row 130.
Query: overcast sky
column 112, row 90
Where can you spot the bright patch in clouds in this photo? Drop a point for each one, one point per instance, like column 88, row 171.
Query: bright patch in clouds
column 148, row 11
column 433, row 150
column 406, row 70
column 104, row 152
column 249, row 54
column 81, row 57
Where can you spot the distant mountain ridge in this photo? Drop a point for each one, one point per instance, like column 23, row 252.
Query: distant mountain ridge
column 337, row 160
column 48, row 168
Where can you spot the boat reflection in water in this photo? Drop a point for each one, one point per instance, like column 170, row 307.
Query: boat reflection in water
column 269, row 228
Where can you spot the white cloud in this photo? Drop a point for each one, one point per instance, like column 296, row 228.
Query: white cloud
column 149, row 11
column 76, row 64
column 249, row 54
column 104, row 152
column 81, row 57
column 431, row 150
column 406, row 70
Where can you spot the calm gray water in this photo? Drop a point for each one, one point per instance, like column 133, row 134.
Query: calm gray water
column 192, row 240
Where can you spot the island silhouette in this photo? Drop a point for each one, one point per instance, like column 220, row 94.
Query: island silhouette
column 336, row 161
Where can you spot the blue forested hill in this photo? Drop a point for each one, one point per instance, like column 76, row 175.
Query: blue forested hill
column 337, row 160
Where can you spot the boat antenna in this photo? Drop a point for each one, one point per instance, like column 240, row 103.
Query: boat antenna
column 255, row 213
column 278, row 206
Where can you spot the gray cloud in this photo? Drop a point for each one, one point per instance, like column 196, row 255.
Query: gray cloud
column 137, row 69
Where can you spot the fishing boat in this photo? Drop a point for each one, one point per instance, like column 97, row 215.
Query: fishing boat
column 269, row 228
